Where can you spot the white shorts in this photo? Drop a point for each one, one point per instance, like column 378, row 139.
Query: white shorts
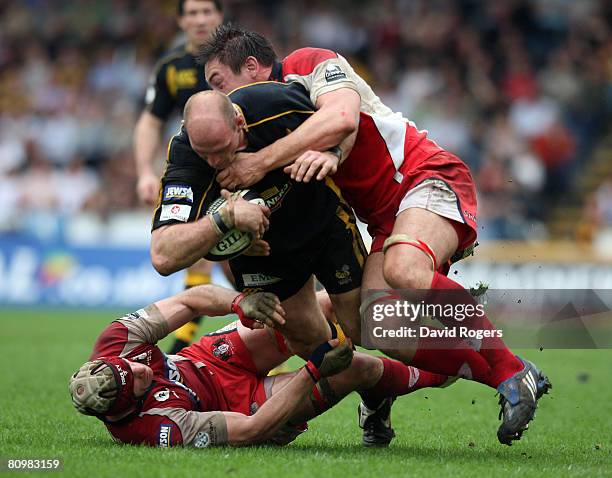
column 433, row 195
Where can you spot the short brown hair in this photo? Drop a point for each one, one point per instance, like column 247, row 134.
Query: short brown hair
column 232, row 45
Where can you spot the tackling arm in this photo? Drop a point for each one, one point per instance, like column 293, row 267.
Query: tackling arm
column 328, row 359
column 153, row 323
column 336, row 119
column 337, row 116
column 276, row 411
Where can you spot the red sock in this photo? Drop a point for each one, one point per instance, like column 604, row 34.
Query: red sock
column 503, row 363
column 456, row 359
column 399, row 379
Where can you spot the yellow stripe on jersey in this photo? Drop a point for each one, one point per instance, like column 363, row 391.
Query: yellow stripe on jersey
column 205, row 194
column 270, row 118
column 342, row 212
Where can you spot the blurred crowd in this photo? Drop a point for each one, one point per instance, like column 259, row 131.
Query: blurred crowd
column 520, row 89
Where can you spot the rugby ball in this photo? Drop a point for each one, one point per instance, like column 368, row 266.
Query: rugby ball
column 234, row 242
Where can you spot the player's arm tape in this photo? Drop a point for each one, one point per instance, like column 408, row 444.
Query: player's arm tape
column 219, row 224
column 146, row 326
column 221, row 221
column 316, row 360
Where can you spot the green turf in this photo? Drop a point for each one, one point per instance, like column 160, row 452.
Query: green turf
column 440, row 432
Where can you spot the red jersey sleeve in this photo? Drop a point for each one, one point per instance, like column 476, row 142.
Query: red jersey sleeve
column 320, row 71
column 168, row 419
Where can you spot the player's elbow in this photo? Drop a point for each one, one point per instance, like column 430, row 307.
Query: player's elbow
column 344, row 124
column 249, row 431
column 162, row 262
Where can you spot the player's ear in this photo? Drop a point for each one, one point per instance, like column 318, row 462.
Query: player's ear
column 239, row 120
column 251, row 66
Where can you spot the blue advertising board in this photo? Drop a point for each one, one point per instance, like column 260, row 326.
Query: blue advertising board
column 57, row 274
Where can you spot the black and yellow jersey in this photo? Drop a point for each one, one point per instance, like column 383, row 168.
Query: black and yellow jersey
column 306, row 217
column 271, row 110
column 176, row 77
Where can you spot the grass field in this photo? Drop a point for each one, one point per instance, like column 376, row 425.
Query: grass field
column 439, row 432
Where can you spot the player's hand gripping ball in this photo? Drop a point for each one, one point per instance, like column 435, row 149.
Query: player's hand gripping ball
column 233, row 242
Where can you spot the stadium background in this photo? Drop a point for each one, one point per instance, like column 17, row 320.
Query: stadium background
column 520, row 89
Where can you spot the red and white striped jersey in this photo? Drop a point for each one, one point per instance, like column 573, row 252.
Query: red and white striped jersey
column 388, row 146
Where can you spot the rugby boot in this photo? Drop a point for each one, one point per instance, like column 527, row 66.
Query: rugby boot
column 376, row 424
column 518, row 399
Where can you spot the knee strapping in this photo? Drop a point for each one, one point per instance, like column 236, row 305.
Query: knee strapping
column 397, row 239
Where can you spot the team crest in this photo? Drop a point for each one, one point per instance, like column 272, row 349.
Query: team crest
column 344, row 275
column 202, row 440
column 222, row 349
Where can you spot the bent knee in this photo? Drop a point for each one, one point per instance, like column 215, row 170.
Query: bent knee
column 365, row 368
column 407, row 271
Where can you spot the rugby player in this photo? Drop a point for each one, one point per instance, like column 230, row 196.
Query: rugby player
column 312, row 231
column 176, row 78
column 418, row 200
column 216, row 391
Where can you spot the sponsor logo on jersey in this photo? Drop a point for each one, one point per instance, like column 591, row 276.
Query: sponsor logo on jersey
column 177, row 212
column 258, row 280
column 180, row 79
column 193, row 395
column 201, row 440
column 274, row 196
column 469, row 215
column 334, row 73
column 162, row 395
column 172, row 371
column 139, row 314
column 178, row 191
column 184, row 78
column 165, row 432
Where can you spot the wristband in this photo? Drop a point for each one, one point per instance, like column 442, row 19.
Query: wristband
column 336, row 151
column 220, row 223
column 246, row 321
column 214, row 225
column 313, row 371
